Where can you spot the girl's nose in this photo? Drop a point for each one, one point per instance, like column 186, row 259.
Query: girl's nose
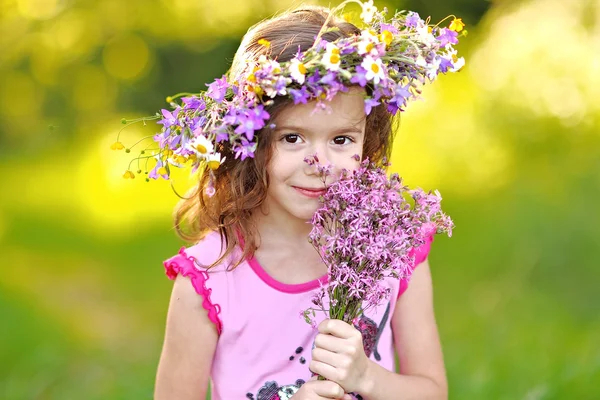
column 322, row 152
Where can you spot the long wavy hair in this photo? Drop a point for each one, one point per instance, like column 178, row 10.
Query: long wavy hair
column 241, row 186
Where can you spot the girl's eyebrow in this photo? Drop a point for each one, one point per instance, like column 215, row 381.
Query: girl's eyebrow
column 342, row 129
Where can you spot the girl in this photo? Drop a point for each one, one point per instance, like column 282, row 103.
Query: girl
column 234, row 316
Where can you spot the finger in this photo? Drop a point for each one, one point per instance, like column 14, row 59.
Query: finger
column 337, row 328
column 329, row 390
column 333, row 344
column 325, row 370
column 347, row 397
column 336, row 360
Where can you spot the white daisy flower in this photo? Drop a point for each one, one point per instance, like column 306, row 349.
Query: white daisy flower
column 458, row 64
column 331, row 59
column 368, row 42
column 432, row 68
column 368, row 10
column 297, row 71
column 274, row 65
column 201, row 145
column 214, row 161
column 374, row 69
column 424, row 35
column 370, row 34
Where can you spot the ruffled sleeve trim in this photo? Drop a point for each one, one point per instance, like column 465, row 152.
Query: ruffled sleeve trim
column 420, row 254
column 186, row 266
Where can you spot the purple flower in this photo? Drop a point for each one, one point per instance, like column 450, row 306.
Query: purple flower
column 299, row 53
column 280, row 85
column 154, row 173
column 251, row 120
column 360, row 76
column 447, row 36
column 330, row 78
column 399, row 99
column 217, row 89
column 369, row 104
column 247, row 126
column 313, row 80
column 193, row 103
column 300, row 95
column 169, row 118
column 412, row 20
column 390, row 28
column 222, row 135
column 244, row 149
column 197, row 123
column 445, row 64
column 260, row 112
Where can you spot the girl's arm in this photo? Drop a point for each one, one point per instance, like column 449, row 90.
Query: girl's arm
column 189, row 346
column 422, row 372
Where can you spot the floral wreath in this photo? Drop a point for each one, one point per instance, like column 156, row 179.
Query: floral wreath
column 393, row 58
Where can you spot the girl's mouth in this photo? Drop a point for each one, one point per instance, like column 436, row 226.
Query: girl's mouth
column 309, row 192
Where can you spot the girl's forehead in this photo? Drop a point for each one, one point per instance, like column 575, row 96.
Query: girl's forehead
column 345, row 110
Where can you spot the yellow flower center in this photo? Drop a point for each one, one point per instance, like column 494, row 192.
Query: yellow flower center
column 181, row 159
column 335, row 51
column 386, row 37
column 369, row 47
column 251, row 78
column 334, row 59
column 201, row 149
column 213, row 164
column 258, row 90
column 302, row 68
column 375, row 68
column 162, row 171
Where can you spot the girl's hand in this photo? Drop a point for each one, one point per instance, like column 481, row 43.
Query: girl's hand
column 339, row 356
column 318, row 390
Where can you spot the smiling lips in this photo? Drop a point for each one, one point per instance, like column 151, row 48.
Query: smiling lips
column 312, row 193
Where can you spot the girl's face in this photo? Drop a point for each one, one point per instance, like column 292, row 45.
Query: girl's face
column 334, row 135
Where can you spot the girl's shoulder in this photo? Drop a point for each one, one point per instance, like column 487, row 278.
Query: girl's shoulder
column 203, row 254
column 211, row 283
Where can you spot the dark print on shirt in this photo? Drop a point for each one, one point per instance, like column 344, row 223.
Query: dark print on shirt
column 371, row 333
column 272, row 391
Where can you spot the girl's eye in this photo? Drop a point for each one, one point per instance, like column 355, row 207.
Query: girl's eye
column 291, row 138
column 341, row 140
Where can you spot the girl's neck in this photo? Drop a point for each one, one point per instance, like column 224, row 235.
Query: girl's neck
column 272, row 230
column 284, row 251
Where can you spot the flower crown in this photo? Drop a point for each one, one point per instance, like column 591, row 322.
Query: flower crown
column 392, row 58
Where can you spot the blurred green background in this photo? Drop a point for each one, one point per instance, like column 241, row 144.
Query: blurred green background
column 512, row 142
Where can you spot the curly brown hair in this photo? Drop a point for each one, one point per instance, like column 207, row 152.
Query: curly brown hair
column 241, row 186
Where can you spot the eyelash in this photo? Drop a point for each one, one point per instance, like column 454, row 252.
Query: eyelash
column 286, row 136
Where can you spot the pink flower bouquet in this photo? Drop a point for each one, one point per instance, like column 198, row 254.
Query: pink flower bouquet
column 364, row 232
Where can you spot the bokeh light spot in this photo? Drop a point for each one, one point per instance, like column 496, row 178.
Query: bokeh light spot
column 126, row 57
column 19, row 96
column 92, row 89
column 40, row 9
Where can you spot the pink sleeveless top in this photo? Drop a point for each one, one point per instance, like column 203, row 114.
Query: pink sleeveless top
column 264, row 345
